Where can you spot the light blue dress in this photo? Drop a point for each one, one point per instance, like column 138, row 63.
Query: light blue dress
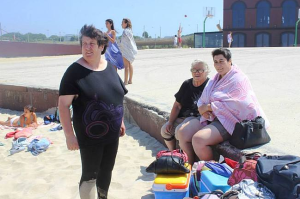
column 114, row 55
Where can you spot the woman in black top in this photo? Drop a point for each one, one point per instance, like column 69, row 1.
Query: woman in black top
column 185, row 106
column 96, row 92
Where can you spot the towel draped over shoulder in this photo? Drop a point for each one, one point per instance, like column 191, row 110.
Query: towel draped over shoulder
column 232, row 99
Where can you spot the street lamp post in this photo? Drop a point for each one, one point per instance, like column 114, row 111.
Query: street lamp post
column 203, row 35
column 296, row 29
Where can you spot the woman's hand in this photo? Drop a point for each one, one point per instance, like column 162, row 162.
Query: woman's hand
column 122, row 129
column 169, row 126
column 204, row 108
column 72, row 143
column 207, row 115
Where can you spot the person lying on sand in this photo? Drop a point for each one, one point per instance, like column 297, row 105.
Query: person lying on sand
column 27, row 119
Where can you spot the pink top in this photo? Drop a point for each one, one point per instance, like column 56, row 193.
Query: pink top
column 232, row 99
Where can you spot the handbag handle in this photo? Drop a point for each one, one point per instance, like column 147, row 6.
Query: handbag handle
column 181, row 159
column 285, row 167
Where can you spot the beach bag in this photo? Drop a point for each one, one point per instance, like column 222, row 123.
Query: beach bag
column 253, row 190
column 175, row 153
column 169, row 162
column 281, row 174
column 249, row 133
column 244, row 169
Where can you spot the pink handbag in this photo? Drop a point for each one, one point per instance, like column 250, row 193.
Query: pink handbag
column 175, row 153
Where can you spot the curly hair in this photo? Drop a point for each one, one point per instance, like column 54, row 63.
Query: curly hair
column 94, row 33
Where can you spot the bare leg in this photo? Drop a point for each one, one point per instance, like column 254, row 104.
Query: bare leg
column 130, row 73
column 126, row 70
column 229, row 44
column 203, row 139
column 87, row 189
column 170, row 142
column 185, row 135
column 7, row 122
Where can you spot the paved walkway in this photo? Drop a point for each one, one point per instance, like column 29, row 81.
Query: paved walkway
column 273, row 72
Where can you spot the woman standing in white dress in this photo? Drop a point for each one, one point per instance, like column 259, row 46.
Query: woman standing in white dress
column 128, row 49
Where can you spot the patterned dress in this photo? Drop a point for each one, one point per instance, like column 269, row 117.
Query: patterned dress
column 128, row 46
column 114, row 55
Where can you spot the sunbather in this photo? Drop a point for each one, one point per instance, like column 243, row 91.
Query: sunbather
column 27, row 119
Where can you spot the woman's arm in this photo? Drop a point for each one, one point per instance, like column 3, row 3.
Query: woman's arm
column 174, row 112
column 204, row 108
column 33, row 123
column 173, row 115
column 34, row 118
column 22, row 121
column 64, row 102
column 113, row 38
column 122, row 129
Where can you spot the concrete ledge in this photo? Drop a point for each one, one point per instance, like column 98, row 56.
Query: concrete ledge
column 16, row 97
column 149, row 118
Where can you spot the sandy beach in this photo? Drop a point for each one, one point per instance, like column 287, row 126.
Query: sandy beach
column 55, row 173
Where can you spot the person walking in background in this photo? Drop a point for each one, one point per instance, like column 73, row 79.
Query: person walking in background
column 229, row 39
column 128, row 49
column 113, row 53
column 179, row 36
column 175, row 41
column 96, row 93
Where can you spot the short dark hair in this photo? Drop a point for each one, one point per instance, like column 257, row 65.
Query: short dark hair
column 94, row 33
column 222, row 51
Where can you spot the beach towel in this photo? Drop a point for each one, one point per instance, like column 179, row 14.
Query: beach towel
column 232, row 99
column 38, row 146
column 26, row 132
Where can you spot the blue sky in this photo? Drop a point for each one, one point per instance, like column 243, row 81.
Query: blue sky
column 68, row 16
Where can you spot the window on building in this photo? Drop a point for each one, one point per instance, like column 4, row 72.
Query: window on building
column 263, row 40
column 263, row 14
column 238, row 40
column 289, row 13
column 238, row 15
column 287, row 39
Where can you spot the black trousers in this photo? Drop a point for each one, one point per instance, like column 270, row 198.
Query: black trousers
column 98, row 163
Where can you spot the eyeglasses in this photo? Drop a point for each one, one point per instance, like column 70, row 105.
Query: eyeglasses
column 199, row 71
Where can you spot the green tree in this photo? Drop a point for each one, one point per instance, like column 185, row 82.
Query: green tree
column 145, row 34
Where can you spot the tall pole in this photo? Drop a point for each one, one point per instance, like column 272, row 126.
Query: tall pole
column 0, row 32
column 203, row 35
column 296, row 32
column 160, row 32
